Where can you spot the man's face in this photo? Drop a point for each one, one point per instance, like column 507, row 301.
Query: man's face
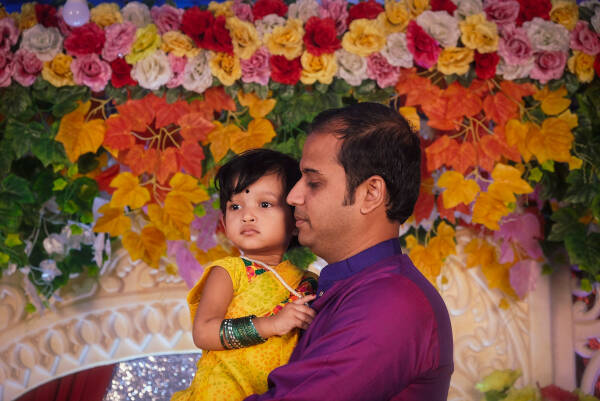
column 322, row 220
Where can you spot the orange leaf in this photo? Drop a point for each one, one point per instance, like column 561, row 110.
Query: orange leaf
column 128, row 192
column 187, row 187
column 200, row 106
column 507, row 182
column 218, row 100
column 458, row 190
column 517, row 91
column 169, row 113
column 141, row 160
column 517, row 134
column 137, row 113
column 167, row 165
column 437, row 113
column 418, row 90
column 425, row 202
column 113, row 221
column 508, row 151
column 491, row 147
column 464, row 158
column 500, row 108
column 260, row 131
column 445, row 213
column 462, row 101
column 488, row 211
column 439, row 151
column 149, row 246
column 118, row 133
column 220, row 139
column 79, row 136
column 190, row 157
column 194, row 126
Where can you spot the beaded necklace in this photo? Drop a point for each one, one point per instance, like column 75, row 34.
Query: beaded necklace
column 269, row 268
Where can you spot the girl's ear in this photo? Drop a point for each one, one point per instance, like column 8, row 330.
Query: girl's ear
column 222, row 220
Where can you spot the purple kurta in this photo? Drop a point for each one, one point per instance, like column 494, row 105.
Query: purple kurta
column 382, row 332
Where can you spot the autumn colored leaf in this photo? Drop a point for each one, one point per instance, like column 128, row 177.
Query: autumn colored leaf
column 458, row 190
column 418, row 90
column 167, row 165
column 555, row 393
column 491, row 148
column 169, row 113
column 257, row 107
column 428, row 262
column 140, row 160
column 553, row 102
column 480, row 87
column 202, row 108
column 437, row 114
column 187, row 187
column 552, row 142
column 464, row 158
column 507, row 182
column 440, row 152
column 218, row 100
column 570, row 118
column 172, row 230
column 106, row 176
column 480, row 253
column 488, row 211
column 425, row 201
column 462, row 101
column 517, row 91
column 260, row 132
column 179, row 209
column 443, row 244
column 220, row 139
column 412, row 116
column 137, row 114
column 79, row 136
column 190, row 157
column 517, row 133
column 113, row 221
column 498, row 276
column 499, row 141
column 445, row 213
column 212, row 254
column 194, row 126
column 128, row 192
column 148, row 246
column 484, row 161
column 118, row 133
column 500, row 108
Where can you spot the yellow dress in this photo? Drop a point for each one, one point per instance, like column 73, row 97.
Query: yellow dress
column 237, row 373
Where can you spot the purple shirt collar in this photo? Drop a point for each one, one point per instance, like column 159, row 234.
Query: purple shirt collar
column 343, row 269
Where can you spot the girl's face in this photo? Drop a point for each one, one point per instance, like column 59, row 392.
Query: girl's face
column 258, row 220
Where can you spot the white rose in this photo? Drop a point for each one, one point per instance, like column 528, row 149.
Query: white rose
column 511, row 72
column 352, row 68
column 395, row 51
column 197, row 76
column 137, row 13
column 153, row 71
column 54, row 244
column 467, row 7
column 546, row 35
column 441, row 26
column 595, row 20
column 44, row 42
column 303, row 10
column 266, row 25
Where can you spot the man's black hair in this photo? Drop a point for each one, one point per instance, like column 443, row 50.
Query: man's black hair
column 245, row 169
column 376, row 140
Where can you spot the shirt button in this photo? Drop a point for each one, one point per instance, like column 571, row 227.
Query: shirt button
column 321, row 293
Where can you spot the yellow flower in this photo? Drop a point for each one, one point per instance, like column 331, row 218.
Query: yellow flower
column 219, row 9
column 179, row 44
column 27, row 19
column 364, row 37
column 396, row 16
column 565, row 13
column 488, row 211
column 552, row 142
column 455, row 60
column 416, row 7
column 317, row 68
column 226, row 67
column 553, row 102
column 147, row 40
column 58, row 70
column 582, row 65
column 286, row 40
column 106, row 14
column 479, row 34
column 244, row 36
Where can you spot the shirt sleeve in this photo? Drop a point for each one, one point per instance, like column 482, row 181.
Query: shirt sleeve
column 374, row 344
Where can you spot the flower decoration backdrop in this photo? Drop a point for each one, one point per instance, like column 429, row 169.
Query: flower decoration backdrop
column 111, row 132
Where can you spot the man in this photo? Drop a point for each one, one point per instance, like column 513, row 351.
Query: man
column 382, row 332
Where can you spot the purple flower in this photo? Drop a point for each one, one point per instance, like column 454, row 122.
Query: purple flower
column 205, row 227
column 523, row 276
column 166, row 18
column 9, row 33
column 119, row 38
column 256, row 68
column 89, row 70
column 242, row 10
column 177, row 67
column 514, row 47
column 189, row 268
column 381, row 71
column 26, row 67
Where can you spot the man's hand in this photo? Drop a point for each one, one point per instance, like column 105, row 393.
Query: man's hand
column 295, row 314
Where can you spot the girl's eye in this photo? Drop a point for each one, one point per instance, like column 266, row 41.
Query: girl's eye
column 234, row 206
column 265, row 204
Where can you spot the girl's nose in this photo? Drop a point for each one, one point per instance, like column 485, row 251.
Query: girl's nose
column 248, row 218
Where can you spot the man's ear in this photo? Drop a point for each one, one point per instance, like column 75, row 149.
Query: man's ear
column 374, row 194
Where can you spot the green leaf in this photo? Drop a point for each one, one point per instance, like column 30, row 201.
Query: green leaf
column 548, row 165
column 595, row 208
column 42, row 185
column 566, row 221
column 6, row 158
column 30, row 308
column 535, row 174
column 199, row 210
column 75, row 229
column 584, row 250
column 173, row 95
column 15, row 101
column 119, row 95
column 59, row 184
column 87, row 162
column 300, row 256
column 48, row 151
column 12, row 240
column 585, row 285
column 67, row 98
column 11, row 215
column 581, row 190
column 17, row 189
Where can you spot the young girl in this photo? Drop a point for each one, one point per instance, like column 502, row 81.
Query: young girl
column 246, row 310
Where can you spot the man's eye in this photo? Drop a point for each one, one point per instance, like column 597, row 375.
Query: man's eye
column 265, row 204
column 234, row 206
column 312, row 184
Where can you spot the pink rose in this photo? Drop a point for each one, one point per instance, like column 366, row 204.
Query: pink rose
column 584, row 39
column 177, row 67
column 26, row 67
column 62, row 25
column 119, row 38
column 337, row 10
column 9, row 33
column 424, row 48
column 89, row 70
column 6, row 68
column 514, row 46
column 381, row 71
column 503, row 13
column 256, row 68
column 242, row 10
column 548, row 65
column 167, row 18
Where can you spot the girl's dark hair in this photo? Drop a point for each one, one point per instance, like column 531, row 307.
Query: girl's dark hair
column 246, row 168
column 376, row 140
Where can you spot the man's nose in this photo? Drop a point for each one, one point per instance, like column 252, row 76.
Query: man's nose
column 294, row 198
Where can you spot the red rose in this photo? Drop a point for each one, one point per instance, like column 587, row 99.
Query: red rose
column 533, row 8
column 265, row 7
column 443, row 5
column 217, row 38
column 597, row 64
column 195, row 23
column 285, row 71
column 424, row 48
column 121, row 73
column 46, row 15
column 320, row 36
column 365, row 9
column 85, row 39
column 485, row 64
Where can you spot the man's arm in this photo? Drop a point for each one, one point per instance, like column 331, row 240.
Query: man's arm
column 371, row 348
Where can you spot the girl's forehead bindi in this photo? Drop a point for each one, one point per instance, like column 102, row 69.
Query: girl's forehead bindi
column 247, row 191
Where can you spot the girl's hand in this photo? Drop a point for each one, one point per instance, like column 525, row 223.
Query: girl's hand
column 294, row 314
